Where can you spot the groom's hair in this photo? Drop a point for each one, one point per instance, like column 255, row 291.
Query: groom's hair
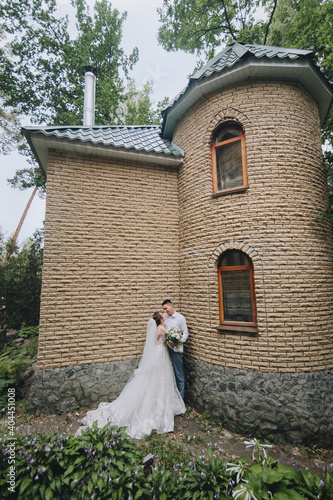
column 167, row 301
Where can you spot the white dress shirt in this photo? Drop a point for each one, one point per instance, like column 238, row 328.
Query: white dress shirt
column 177, row 321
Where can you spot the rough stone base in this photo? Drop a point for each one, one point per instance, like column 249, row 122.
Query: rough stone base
column 81, row 386
column 294, row 407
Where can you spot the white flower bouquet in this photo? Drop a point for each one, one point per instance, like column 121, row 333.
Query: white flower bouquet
column 173, row 334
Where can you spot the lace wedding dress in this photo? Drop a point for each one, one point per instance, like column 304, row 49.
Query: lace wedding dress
column 150, row 399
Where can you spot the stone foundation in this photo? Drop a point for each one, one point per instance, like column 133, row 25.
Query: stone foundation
column 81, row 386
column 294, row 407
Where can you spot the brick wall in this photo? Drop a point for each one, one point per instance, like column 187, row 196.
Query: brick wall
column 273, row 222
column 116, row 241
column 110, row 257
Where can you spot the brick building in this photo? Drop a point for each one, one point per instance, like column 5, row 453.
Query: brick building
column 215, row 210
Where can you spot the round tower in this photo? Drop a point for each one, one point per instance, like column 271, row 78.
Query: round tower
column 256, row 261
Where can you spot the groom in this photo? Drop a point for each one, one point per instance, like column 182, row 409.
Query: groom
column 172, row 319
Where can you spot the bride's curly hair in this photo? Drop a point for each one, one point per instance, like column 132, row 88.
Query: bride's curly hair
column 157, row 316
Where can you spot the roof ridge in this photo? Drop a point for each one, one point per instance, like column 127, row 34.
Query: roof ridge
column 85, row 127
column 239, row 50
column 278, row 48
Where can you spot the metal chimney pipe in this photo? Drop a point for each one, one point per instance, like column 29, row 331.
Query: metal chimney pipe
column 89, row 97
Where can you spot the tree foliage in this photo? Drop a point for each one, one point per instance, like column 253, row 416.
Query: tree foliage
column 307, row 24
column 10, row 136
column 138, row 108
column 20, row 280
column 43, row 70
column 202, row 26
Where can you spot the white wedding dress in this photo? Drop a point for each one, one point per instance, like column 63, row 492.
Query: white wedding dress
column 150, row 399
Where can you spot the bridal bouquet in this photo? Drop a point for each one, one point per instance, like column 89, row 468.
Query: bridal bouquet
column 173, row 334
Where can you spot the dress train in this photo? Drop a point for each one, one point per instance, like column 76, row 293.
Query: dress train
column 149, row 401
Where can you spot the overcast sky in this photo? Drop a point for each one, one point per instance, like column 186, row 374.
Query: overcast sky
column 168, row 71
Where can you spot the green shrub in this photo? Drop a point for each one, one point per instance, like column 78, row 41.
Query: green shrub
column 13, row 361
column 28, row 332
column 107, row 464
column 265, row 478
column 20, row 280
column 31, row 350
column 200, row 478
column 321, row 488
column 99, row 464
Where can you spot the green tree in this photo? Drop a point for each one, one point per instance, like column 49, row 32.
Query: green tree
column 20, row 280
column 10, row 136
column 307, row 24
column 45, row 66
column 42, row 66
column 138, row 108
column 201, row 26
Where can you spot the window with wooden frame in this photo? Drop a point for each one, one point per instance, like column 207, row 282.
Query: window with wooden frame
column 236, row 293
column 229, row 159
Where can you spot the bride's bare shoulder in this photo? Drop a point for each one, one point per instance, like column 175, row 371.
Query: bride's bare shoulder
column 162, row 329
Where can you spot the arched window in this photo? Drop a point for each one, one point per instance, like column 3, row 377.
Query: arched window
column 236, row 290
column 228, row 159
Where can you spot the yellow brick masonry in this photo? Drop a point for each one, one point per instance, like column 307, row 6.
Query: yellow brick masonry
column 111, row 256
column 119, row 236
column 273, row 222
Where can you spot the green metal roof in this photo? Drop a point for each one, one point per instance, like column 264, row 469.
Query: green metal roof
column 131, row 142
column 233, row 53
column 238, row 62
column 153, row 144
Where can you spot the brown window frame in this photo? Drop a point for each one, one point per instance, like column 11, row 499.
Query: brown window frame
column 214, row 145
column 237, row 326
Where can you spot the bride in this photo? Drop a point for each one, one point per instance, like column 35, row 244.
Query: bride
column 150, row 399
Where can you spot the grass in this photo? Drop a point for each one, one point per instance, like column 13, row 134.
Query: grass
column 167, row 453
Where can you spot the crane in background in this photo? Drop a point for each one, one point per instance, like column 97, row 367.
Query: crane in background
column 14, row 238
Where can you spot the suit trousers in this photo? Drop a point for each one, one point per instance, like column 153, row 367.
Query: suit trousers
column 177, row 363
